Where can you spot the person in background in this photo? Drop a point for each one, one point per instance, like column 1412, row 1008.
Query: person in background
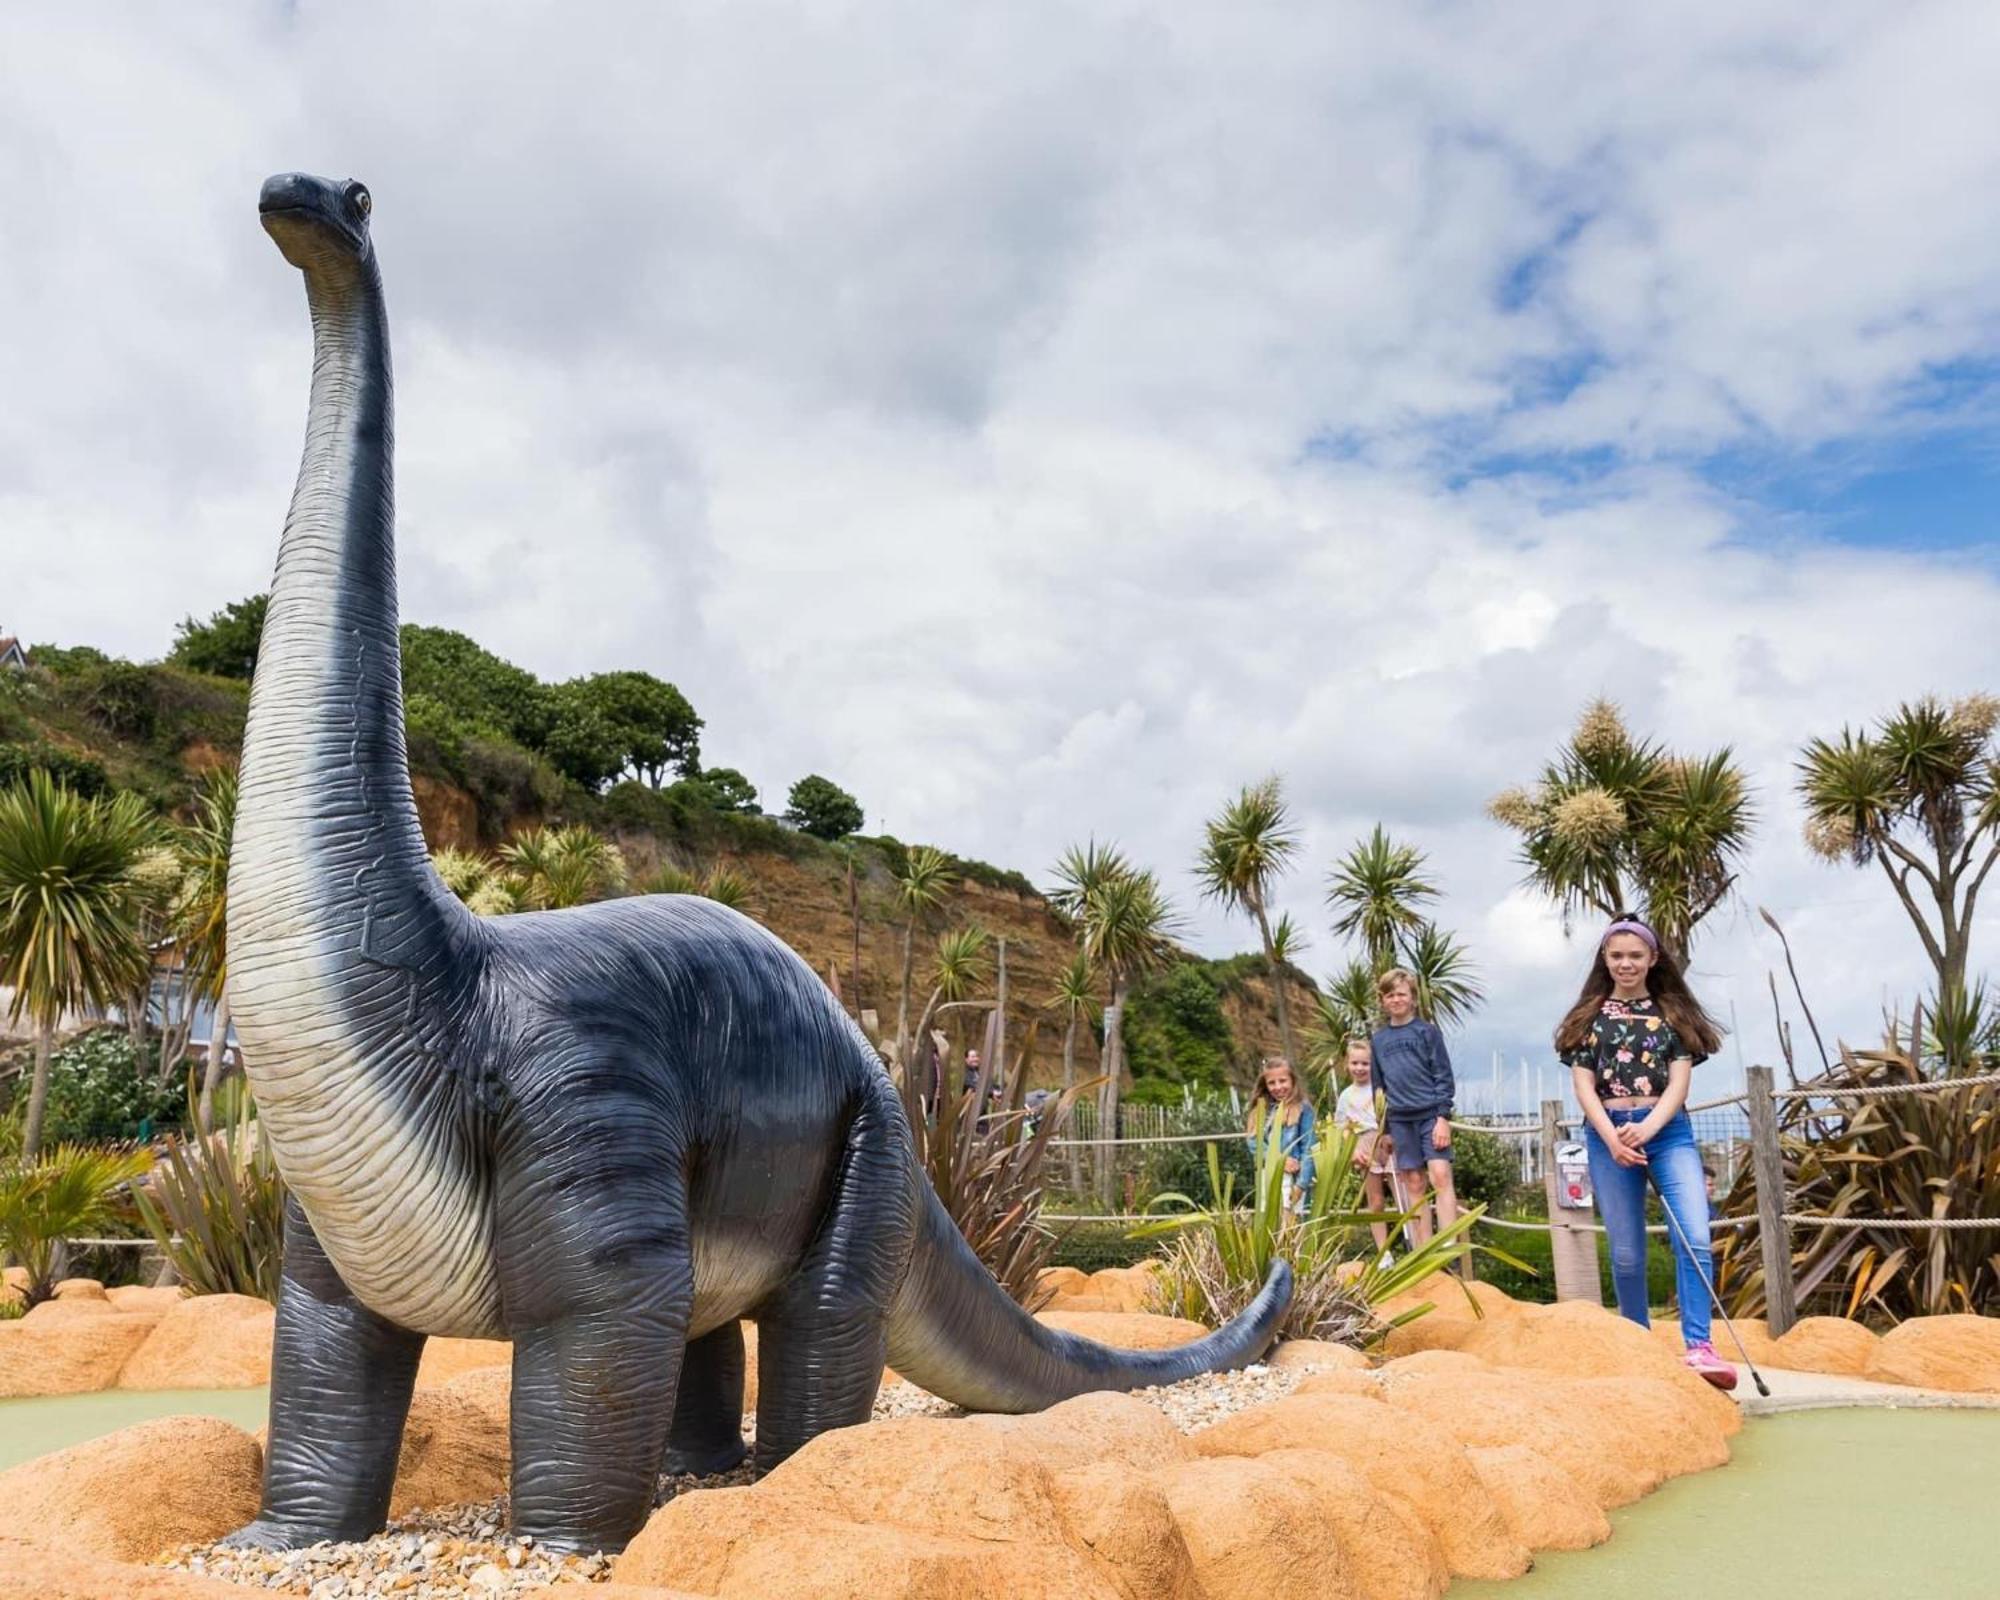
column 971, row 1080
column 1632, row 1042
column 1356, row 1108
column 1415, row 1071
column 1281, row 1114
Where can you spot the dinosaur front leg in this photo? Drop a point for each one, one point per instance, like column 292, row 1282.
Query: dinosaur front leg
column 707, row 1434
column 341, row 1378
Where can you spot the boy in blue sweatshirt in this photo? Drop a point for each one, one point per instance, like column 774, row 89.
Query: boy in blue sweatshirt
column 1414, row 1070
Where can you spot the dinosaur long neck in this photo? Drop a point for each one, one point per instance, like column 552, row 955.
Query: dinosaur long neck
column 349, row 963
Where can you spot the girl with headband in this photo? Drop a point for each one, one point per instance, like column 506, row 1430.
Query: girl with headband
column 1631, row 1042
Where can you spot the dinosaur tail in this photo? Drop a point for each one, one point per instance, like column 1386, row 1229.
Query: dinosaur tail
column 955, row 1332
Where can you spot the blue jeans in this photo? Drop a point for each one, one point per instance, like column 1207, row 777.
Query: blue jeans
column 1673, row 1162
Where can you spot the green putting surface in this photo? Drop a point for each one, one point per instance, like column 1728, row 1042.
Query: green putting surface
column 1836, row 1505
column 30, row 1428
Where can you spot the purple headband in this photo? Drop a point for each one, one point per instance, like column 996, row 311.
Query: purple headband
column 1639, row 928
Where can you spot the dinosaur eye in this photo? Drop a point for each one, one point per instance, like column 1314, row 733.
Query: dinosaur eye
column 359, row 196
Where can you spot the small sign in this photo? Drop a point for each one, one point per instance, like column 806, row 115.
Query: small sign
column 1573, row 1177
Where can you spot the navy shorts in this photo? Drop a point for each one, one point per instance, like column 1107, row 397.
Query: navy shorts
column 1412, row 1137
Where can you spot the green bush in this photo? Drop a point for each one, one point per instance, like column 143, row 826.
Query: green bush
column 820, row 807
column 225, row 646
column 1092, row 1246
column 79, row 774
column 1176, row 1033
column 1183, row 1168
column 1486, row 1169
column 100, row 1088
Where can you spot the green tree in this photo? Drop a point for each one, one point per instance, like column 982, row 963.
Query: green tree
column 820, row 807
column 1247, row 847
column 226, row 644
column 1919, row 797
column 725, row 789
column 1345, row 1007
column 69, row 1191
column 1618, row 824
column 579, row 740
column 648, row 723
column 201, row 920
column 1377, row 891
column 69, row 934
column 920, row 889
column 482, row 693
column 1124, row 924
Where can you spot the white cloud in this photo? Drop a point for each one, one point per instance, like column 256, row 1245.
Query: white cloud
column 1045, row 421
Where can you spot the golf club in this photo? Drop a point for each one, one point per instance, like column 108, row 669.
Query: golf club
column 1714, row 1299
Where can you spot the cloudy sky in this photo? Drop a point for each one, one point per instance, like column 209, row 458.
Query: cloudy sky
column 1043, row 419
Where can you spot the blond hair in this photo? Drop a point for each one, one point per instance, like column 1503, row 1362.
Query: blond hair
column 1394, row 976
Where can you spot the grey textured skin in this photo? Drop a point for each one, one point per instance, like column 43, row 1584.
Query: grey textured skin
column 606, row 1133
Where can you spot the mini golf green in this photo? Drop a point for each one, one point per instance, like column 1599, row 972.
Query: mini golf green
column 1838, row 1505
column 30, row 1428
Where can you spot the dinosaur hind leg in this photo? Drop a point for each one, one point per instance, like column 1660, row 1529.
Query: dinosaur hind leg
column 821, row 1338
column 340, row 1390
column 707, row 1433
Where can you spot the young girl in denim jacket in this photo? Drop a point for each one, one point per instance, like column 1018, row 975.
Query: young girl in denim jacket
column 1632, row 1042
column 1281, row 1113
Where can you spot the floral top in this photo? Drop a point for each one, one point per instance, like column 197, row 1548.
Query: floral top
column 1631, row 1046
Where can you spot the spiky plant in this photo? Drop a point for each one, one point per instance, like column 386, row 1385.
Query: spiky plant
column 560, row 867
column 1246, row 848
column 1075, row 999
column 1345, row 1008
column 215, row 1206
column 921, row 888
column 461, row 871
column 59, row 1194
column 1448, row 987
column 1892, row 1158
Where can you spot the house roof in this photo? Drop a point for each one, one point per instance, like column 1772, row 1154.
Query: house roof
column 9, row 645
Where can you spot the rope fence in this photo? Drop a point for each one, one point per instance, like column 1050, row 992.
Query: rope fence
column 1871, row 1091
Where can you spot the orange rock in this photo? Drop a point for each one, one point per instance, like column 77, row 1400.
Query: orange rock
column 80, row 1289
column 137, row 1492
column 211, row 1341
column 48, row 1572
column 1825, row 1344
column 1598, row 1451
column 1961, row 1353
column 1434, row 1330
column 1756, row 1336
column 445, row 1359
column 1124, row 1288
column 454, row 1451
column 491, row 1389
column 1341, row 1381
column 1434, row 1361
column 1254, row 1529
column 1316, row 1355
column 1391, row 1555
column 1113, row 1428
column 1055, row 1282
column 1125, row 1522
column 1682, row 1429
column 1538, row 1499
column 60, row 1348
column 1133, row 1330
column 150, row 1302
column 1575, row 1339
column 1406, row 1454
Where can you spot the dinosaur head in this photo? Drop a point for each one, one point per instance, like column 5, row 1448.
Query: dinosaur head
column 316, row 222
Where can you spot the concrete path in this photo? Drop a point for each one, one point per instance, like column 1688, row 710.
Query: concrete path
column 1818, row 1391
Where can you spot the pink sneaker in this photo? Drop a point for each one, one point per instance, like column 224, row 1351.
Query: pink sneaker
column 1701, row 1357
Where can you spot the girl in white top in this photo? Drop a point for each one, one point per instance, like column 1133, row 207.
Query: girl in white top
column 1356, row 1108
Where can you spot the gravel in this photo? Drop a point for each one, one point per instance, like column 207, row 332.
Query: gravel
column 465, row 1551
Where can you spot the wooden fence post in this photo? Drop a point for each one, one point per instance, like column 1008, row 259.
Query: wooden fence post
column 1572, row 1244
column 1768, row 1166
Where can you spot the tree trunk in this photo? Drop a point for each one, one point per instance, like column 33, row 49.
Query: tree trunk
column 903, row 993
column 854, row 919
column 1107, row 1100
column 999, row 1057
column 1278, row 991
column 1070, row 1151
column 218, row 1033
column 38, row 1093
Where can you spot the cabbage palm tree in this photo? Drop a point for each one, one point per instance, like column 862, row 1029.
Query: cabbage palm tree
column 69, row 928
column 920, row 890
column 1345, row 1009
column 1448, row 990
column 1920, row 797
column 1375, row 890
column 201, row 921
column 1247, row 847
column 1075, row 996
column 956, row 967
column 67, row 1191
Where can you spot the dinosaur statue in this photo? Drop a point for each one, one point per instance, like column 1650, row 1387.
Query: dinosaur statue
column 606, row 1134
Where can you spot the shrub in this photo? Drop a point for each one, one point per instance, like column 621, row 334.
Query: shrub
column 1092, row 1246
column 119, row 696
column 1486, row 1169
column 225, row 646
column 100, row 1088
column 1175, row 1032
column 81, row 775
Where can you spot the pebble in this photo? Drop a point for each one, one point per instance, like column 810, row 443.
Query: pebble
column 463, row 1552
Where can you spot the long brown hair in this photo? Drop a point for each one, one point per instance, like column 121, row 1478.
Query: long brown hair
column 1698, row 1031
column 1260, row 1096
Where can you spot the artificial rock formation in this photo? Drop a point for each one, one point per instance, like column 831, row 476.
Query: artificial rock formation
column 210, row 1341
column 1960, row 1353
